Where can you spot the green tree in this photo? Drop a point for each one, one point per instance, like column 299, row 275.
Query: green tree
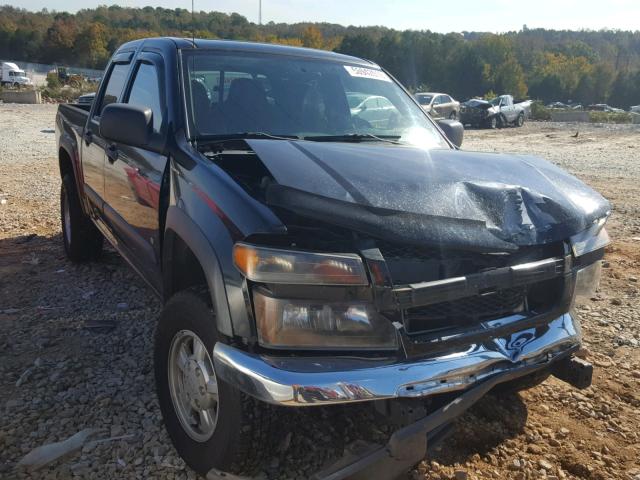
column 312, row 37
column 91, row 45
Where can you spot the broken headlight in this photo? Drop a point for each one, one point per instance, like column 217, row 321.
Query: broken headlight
column 272, row 265
column 587, row 280
column 313, row 324
column 590, row 240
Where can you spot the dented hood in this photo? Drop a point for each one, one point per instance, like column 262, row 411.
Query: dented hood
column 478, row 103
column 451, row 198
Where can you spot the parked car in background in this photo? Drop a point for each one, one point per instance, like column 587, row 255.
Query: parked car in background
column 559, row 105
column 439, row 105
column 603, row 107
column 378, row 111
column 13, row 75
column 635, row 109
column 498, row 112
column 86, row 98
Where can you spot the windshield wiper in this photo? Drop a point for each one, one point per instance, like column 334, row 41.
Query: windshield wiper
column 355, row 137
column 243, row 136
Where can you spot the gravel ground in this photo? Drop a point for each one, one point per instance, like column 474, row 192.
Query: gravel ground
column 75, row 341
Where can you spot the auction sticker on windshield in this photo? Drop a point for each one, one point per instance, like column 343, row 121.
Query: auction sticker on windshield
column 367, row 73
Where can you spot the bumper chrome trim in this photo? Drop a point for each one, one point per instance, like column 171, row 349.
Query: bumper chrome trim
column 293, row 384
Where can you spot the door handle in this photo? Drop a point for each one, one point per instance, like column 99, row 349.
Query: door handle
column 88, row 137
column 112, row 153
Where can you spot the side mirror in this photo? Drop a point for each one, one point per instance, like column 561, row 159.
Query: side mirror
column 127, row 124
column 453, row 129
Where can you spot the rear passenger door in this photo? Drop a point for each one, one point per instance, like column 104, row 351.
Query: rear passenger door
column 133, row 176
column 93, row 145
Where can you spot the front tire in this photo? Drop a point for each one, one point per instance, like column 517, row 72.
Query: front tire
column 453, row 116
column 82, row 240
column 492, row 123
column 236, row 432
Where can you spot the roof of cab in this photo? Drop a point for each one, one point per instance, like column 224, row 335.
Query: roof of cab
column 240, row 46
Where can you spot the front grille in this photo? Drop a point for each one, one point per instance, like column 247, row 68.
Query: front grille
column 532, row 299
column 415, row 265
column 465, row 311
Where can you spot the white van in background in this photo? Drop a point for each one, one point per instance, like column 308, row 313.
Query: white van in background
column 12, row 75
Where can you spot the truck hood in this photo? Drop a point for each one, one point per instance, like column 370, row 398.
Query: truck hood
column 452, row 198
column 477, row 103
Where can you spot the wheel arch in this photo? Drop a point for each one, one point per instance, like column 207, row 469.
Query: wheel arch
column 188, row 259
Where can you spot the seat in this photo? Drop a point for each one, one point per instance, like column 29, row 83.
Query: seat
column 246, row 108
column 202, row 114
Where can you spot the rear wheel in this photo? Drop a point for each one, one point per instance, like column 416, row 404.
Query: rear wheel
column 211, row 423
column 82, row 240
column 520, row 120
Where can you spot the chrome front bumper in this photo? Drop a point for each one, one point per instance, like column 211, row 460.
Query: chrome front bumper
column 304, row 381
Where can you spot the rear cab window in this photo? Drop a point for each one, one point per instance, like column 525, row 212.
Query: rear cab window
column 115, row 85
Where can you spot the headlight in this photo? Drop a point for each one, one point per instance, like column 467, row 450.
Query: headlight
column 591, row 239
column 271, row 265
column 315, row 324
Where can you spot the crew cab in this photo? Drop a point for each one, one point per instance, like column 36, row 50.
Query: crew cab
column 501, row 111
column 307, row 257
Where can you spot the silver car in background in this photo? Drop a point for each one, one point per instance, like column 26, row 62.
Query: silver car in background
column 439, row 105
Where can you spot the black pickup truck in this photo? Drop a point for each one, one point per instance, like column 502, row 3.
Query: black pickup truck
column 307, row 257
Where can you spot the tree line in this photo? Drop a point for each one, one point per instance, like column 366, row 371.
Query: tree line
column 581, row 66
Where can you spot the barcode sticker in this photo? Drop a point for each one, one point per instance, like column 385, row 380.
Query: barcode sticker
column 364, row 72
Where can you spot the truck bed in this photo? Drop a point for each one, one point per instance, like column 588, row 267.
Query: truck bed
column 75, row 113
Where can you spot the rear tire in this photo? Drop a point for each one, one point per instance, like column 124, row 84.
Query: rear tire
column 82, row 240
column 244, row 429
column 520, row 120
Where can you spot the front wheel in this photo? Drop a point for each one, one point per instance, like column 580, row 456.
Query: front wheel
column 211, row 423
column 453, row 115
column 492, row 123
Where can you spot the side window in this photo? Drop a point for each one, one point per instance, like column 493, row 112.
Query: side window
column 438, row 100
column 145, row 92
column 385, row 102
column 115, row 85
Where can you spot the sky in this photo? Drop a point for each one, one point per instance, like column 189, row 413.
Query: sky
column 454, row 16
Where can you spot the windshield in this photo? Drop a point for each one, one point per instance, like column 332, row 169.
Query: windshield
column 287, row 96
column 424, row 99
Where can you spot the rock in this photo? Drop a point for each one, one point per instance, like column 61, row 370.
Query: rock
column 533, row 448
column 46, row 454
column 515, row 464
column 545, row 464
column 460, row 475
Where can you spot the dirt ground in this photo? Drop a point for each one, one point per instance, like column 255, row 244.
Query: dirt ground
column 75, row 341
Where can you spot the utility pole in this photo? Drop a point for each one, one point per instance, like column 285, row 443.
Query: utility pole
column 259, row 12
